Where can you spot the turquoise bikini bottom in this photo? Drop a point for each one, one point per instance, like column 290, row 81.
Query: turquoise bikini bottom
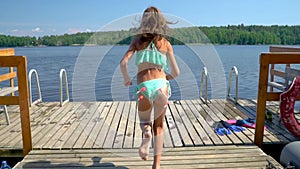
column 153, row 88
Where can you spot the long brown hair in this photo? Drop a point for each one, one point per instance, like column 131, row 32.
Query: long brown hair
column 153, row 25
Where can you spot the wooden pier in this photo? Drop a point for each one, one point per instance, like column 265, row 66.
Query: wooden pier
column 79, row 131
column 230, row 156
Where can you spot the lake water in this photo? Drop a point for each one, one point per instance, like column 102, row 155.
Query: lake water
column 94, row 74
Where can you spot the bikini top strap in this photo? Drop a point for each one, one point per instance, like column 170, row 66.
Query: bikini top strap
column 153, row 47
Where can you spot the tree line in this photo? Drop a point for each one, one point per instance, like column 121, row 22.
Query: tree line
column 230, row 34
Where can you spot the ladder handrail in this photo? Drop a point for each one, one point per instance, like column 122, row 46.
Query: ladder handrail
column 204, row 74
column 63, row 72
column 33, row 71
column 235, row 70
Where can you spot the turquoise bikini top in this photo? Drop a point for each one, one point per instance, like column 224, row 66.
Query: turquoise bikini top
column 152, row 56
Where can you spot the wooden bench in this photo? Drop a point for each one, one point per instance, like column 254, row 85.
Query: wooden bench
column 20, row 63
column 288, row 76
column 10, row 76
column 285, row 76
column 267, row 60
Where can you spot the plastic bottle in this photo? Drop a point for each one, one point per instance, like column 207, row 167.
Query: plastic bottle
column 5, row 165
column 269, row 116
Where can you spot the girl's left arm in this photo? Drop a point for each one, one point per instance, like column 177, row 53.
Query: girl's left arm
column 173, row 64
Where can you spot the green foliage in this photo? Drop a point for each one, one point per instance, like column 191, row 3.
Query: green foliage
column 231, row 34
column 12, row 41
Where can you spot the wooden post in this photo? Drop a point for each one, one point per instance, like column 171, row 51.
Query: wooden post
column 272, row 76
column 12, row 84
column 261, row 100
column 24, row 105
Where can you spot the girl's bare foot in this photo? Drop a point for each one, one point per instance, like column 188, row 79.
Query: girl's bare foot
column 144, row 148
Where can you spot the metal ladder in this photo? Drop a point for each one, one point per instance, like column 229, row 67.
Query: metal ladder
column 204, row 75
column 236, row 72
column 62, row 76
column 31, row 72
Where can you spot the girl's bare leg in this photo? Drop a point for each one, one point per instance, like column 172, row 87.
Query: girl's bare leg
column 160, row 107
column 145, row 108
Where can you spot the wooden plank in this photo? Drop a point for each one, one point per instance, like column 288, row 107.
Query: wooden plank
column 59, row 121
column 12, row 116
column 87, row 125
column 188, row 157
column 184, row 136
column 173, row 128
column 274, row 127
column 8, row 76
column 138, row 135
column 11, row 61
column 218, row 112
column 167, row 135
column 261, row 105
column 167, row 159
column 283, row 49
column 185, row 150
column 89, row 142
column 200, row 125
column 42, row 120
column 146, row 164
column 84, row 117
column 9, row 100
column 12, row 74
column 113, row 126
column 7, row 52
column 24, row 103
column 13, row 137
column 122, row 127
column 105, row 128
column 183, row 111
column 231, row 112
column 268, row 136
column 48, row 131
column 68, row 133
column 13, row 131
column 236, row 137
column 251, row 113
column 98, row 124
column 206, row 122
column 212, row 119
column 47, row 121
column 128, row 140
column 281, row 58
column 277, row 73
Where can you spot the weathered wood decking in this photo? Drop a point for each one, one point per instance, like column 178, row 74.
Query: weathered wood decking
column 230, row 156
column 86, row 127
column 115, row 125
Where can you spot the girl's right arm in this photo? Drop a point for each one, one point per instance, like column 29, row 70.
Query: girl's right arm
column 124, row 63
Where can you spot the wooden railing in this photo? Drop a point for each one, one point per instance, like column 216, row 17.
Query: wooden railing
column 11, row 74
column 279, row 73
column 267, row 59
column 20, row 63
